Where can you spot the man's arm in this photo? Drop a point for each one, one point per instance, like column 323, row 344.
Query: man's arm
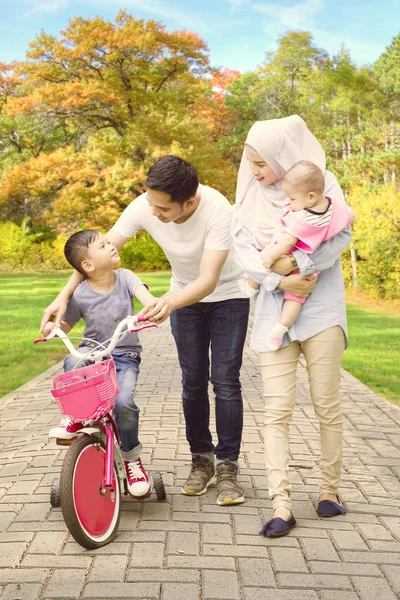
column 211, row 265
column 64, row 325
column 59, row 305
column 116, row 238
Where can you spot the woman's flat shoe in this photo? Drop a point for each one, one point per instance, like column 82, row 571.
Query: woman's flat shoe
column 327, row 508
column 277, row 527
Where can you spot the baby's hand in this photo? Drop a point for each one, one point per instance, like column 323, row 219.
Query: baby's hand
column 268, row 260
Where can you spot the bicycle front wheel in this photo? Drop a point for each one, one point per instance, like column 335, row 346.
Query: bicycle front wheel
column 91, row 514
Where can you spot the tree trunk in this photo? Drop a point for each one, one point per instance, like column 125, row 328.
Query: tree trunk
column 353, row 256
column 27, row 224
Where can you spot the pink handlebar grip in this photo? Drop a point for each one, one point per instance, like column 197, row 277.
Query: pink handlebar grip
column 40, row 340
column 141, row 327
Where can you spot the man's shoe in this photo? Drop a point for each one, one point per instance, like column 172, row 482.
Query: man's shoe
column 228, row 489
column 202, row 474
column 66, row 430
column 137, row 478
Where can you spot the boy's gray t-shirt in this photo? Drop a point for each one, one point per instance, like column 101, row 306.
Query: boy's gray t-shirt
column 103, row 312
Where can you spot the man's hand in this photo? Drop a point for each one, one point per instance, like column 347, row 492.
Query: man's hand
column 159, row 310
column 48, row 328
column 282, row 266
column 298, row 285
column 55, row 310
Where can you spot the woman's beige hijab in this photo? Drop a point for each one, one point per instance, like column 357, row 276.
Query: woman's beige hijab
column 281, row 143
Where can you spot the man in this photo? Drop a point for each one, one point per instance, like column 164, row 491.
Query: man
column 191, row 223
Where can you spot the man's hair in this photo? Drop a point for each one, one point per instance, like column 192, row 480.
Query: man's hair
column 173, row 175
column 306, row 176
column 76, row 247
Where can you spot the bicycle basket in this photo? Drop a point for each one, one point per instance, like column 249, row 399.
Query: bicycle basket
column 87, row 393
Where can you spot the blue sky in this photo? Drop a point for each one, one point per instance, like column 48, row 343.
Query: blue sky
column 238, row 32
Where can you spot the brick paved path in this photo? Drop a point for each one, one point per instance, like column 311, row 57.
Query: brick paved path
column 190, row 548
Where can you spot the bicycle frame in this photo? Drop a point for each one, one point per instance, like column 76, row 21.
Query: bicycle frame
column 105, row 426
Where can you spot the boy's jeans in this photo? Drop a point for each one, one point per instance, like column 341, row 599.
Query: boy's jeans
column 126, row 412
column 221, row 326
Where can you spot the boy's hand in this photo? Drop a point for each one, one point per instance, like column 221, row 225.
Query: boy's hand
column 159, row 310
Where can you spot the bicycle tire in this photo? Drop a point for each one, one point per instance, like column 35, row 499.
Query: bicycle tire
column 55, row 492
column 91, row 518
column 158, row 485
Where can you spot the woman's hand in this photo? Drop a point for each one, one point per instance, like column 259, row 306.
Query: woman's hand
column 298, row 285
column 282, row 266
column 55, row 310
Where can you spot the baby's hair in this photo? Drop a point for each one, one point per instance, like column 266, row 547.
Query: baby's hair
column 76, row 246
column 306, row 176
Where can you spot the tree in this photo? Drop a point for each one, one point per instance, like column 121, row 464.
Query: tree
column 124, row 93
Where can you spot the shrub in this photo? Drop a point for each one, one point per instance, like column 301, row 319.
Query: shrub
column 20, row 251
column 142, row 253
column 376, row 237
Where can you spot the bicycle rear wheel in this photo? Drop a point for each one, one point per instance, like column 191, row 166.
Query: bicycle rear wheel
column 91, row 517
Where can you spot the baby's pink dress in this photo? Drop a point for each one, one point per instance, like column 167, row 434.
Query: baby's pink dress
column 309, row 234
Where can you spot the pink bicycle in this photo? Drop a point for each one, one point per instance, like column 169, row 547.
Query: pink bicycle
column 89, row 486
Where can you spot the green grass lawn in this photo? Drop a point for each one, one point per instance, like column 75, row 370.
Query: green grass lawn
column 373, row 355
column 23, row 296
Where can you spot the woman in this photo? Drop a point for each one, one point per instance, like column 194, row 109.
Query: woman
column 271, row 148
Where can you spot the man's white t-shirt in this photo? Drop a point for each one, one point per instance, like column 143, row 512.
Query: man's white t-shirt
column 209, row 227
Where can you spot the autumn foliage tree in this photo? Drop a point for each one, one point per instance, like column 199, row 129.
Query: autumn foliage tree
column 122, row 94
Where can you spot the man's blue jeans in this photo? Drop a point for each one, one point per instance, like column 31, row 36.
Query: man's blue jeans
column 222, row 327
column 126, row 412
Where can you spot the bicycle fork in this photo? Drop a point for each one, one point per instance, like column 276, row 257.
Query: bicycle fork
column 108, row 479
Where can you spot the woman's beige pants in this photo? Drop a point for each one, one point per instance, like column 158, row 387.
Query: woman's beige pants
column 323, row 354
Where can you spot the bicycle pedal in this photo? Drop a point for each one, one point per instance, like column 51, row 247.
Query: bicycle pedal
column 61, row 442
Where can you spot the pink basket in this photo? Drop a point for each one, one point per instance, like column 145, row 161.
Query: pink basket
column 87, row 393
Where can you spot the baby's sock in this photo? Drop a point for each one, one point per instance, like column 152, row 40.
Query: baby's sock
column 246, row 288
column 275, row 338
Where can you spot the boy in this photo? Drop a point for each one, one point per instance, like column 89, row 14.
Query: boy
column 103, row 299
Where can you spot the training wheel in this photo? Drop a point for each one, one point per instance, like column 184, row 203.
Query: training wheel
column 55, row 492
column 158, row 485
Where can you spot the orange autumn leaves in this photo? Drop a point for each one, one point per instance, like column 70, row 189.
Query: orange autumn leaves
column 102, row 102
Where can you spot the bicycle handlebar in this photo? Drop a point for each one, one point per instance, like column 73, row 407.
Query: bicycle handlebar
column 132, row 325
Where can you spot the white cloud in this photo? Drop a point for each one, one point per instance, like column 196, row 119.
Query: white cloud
column 158, row 8
column 51, row 6
column 296, row 16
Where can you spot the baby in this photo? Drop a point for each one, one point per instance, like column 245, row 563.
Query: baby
column 309, row 219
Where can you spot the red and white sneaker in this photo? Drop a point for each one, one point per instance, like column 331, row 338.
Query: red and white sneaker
column 66, row 430
column 138, row 480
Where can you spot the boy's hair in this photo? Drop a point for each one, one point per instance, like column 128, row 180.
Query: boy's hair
column 76, row 246
column 306, row 176
column 173, row 175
